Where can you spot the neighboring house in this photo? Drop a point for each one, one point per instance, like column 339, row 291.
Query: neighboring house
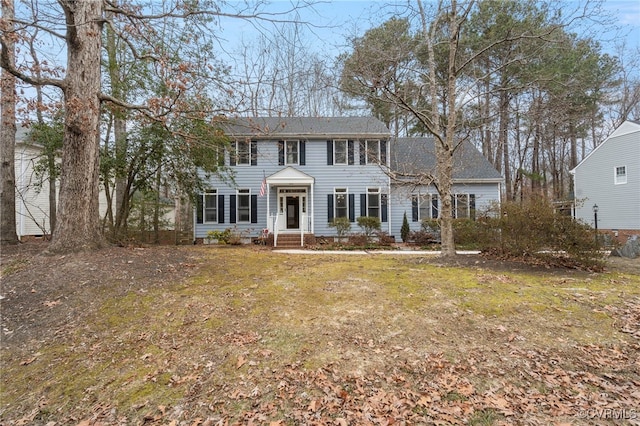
column 609, row 178
column 293, row 176
column 32, row 192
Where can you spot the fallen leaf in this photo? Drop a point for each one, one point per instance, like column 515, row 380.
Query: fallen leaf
column 241, row 361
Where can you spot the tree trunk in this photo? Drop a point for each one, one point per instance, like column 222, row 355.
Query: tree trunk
column 8, row 234
column 78, row 225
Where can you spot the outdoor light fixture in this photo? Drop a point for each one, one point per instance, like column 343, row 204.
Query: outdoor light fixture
column 595, row 220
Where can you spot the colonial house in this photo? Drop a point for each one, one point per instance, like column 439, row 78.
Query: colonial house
column 292, row 176
column 607, row 183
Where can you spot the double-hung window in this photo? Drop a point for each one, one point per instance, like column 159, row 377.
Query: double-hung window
column 620, row 175
column 425, row 206
column 210, row 206
column 373, row 151
column 373, row 202
column 292, row 152
column 341, row 202
column 243, row 152
column 461, row 206
column 244, row 206
column 340, row 152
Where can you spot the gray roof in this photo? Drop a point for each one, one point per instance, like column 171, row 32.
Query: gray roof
column 417, row 155
column 307, row 127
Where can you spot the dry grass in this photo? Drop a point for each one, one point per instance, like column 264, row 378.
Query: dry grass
column 257, row 336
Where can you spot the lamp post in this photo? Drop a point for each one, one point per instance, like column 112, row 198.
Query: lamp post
column 595, row 220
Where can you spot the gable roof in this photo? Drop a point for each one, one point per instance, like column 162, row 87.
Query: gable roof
column 417, row 155
column 307, row 127
column 629, row 126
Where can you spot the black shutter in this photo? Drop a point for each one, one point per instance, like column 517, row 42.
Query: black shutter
column 303, row 153
column 254, row 153
column 232, row 209
column 232, row 154
column 199, row 207
column 220, row 208
column 453, row 206
column 434, row 207
column 414, row 208
column 281, row 153
column 329, row 153
column 363, row 152
column 363, row 204
column 350, row 149
column 254, row 208
column 329, row 208
column 352, row 208
column 472, row 206
column 383, row 207
column 383, row 152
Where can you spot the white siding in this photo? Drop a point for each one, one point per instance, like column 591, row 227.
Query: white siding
column 32, row 203
column 618, row 205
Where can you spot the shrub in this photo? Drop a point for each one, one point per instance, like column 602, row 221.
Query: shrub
column 342, row 225
column 369, row 225
column 405, row 230
column 533, row 230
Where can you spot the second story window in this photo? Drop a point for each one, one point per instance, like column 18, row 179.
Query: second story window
column 340, row 152
column 292, row 152
column 373, row 152
column 243, row 152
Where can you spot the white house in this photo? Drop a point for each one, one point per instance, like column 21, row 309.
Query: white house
column 607, row 183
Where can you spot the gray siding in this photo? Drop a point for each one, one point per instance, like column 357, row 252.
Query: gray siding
column 486, row 194
column 355, row 178
column 619, row 205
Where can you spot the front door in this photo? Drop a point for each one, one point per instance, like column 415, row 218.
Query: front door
column 293, row 212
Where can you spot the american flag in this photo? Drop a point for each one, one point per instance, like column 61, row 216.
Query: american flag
column 263, row 187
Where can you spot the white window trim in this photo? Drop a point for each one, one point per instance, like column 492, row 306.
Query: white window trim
column 345, row 192
column 286, row 152
column 346, row 152
column 239, row 193
column 619, row 180
column 368, row 159
column 214, row 193
column 237, row 153
column 454, row 207
column 378, row 192
column 428, row 198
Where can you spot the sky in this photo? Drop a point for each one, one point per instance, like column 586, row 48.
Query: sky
column 333, row 21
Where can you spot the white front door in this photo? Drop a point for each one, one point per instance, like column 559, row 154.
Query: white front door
column 292, row 206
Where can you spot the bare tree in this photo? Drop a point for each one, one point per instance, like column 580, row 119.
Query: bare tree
column 78, row 226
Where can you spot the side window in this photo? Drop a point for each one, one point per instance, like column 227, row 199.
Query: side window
column 620, row 175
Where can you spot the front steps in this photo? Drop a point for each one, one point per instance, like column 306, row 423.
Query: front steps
column 292, row 241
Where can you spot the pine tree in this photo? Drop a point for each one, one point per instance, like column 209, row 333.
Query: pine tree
column 404, row 230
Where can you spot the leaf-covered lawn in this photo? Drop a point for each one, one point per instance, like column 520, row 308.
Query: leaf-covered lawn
column 260, row 337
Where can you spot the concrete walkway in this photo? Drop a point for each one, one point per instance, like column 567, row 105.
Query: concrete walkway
column 372, row 252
